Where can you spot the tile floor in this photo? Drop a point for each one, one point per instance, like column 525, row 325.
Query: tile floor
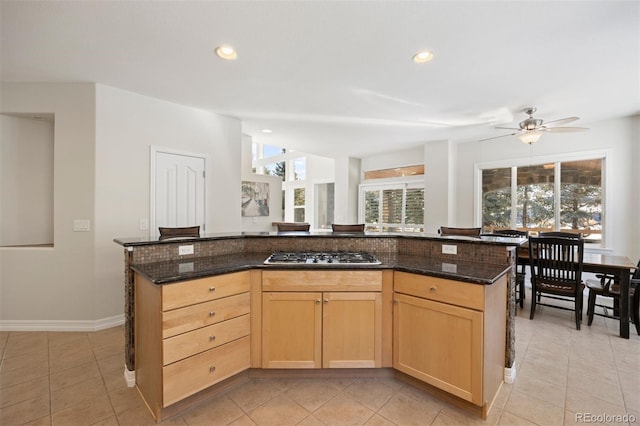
column 62, row 378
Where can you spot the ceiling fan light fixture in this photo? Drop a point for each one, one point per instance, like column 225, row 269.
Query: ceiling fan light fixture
column 422, row 57
column 530, row 137
column 226, row 52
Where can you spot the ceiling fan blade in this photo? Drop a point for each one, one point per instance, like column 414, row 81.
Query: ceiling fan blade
column 501, row 136
column 562, row 121
column 563, row 129
column 507, row 128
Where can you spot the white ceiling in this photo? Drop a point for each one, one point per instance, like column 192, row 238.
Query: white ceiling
column 336, row 78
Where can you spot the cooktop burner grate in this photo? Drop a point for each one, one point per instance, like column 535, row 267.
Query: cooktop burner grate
column 323, row 258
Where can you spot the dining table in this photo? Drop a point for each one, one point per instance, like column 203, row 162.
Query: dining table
column 601, row 263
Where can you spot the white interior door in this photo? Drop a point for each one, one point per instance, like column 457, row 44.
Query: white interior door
column 178, row 188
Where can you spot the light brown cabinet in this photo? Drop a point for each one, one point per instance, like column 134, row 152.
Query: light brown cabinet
column 341, row 328
column 189, row 336
column 451, row 335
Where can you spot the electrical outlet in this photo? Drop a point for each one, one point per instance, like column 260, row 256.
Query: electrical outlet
column 182, row 250
column 81, row 225
column 449, row 249
column 449, row 267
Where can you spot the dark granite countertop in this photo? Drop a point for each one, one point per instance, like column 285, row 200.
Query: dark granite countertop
column 173, row 271
column 484, row 239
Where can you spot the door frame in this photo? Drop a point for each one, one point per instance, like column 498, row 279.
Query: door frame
column 153, row 153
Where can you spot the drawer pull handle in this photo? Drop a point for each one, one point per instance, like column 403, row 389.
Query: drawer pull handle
column 212, row 338
column 212, row 369
column 317, row 301
column 212, row 289
column 432, row 289
column 212, row 313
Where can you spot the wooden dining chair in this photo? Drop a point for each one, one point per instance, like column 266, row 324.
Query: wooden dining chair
column 179, row 232
column 556, row 273
column 561, row 234
column 359, row 227
column 292, row 226
column 607, row 286
column 466, row 232
column 521, row 263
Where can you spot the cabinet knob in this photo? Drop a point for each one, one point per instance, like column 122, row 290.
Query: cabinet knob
column 212, row 289
column 317, row 301
column 212, row 338
column 212, row 369
column 212, row 313
column 432, row 289
column 326, row 300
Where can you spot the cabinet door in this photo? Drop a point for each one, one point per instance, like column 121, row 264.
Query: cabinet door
column 291, row 330
column 352, row 330
column 439, row 344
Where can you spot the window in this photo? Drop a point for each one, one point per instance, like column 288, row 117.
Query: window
column 298, row 205
column 392, row 208
column 551, row 196
column 324, row 205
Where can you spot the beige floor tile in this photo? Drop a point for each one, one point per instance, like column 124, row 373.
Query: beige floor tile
column 254, row 393
column 378, row 420
column 42, row 421
column 582, row 402
column 454, row 417
column 24, row 412
column 280, row 410
column 242, row 421
column 27, row 360
column 373, row 393
column 313, row 393
column 541, row 389
column 222, row 410
column 533, row 409
column 343, row 410
column 75, row 375
column 25, row 374
column 508, row 419
column 81, row 393
column 31, row 390
column 84, row 413
column 602, row 386
column 402, row 409
column 70, row 360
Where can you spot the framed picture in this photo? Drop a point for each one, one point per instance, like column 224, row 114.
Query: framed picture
column 255, row 198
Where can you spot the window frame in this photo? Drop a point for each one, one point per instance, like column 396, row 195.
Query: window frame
column 607, row 183
column 402, row 184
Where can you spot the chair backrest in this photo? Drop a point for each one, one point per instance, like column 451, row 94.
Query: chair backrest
column 292, row 226
column 180, row 232
column 560, row 234
column 556, row 261
column 359, row 227
column 467, row 232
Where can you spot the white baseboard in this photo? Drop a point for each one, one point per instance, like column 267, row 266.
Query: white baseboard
column 53, row 325
column 510, row 374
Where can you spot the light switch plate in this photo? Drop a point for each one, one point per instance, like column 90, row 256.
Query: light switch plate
column 182, row 250
column 449, row 249
column 81, row 225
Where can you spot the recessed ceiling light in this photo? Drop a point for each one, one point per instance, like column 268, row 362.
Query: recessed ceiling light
column 267, row 131
column 226, row 52
column 422, row 57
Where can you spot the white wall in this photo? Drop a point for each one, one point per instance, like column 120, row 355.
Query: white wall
column 55, row 286
column 127, row 125
column 101, row 172
column 26, row 181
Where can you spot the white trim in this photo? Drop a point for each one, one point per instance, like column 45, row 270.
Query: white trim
column 154, row 150
column 510, row 374
column 129, row 377
column 55, row 325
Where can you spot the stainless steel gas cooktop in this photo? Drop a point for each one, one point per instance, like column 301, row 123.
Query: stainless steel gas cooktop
column 322, row 258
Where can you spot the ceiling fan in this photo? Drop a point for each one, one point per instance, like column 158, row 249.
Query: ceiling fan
column 531, row 128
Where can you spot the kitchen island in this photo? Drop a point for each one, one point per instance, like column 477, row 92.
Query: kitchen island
column 478, row 263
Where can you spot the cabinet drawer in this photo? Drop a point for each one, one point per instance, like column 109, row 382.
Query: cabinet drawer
column 322, row 280
column 442, row 290
column 191, row 375
column 195, row 291
column 192, row 317
column 187, row 344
